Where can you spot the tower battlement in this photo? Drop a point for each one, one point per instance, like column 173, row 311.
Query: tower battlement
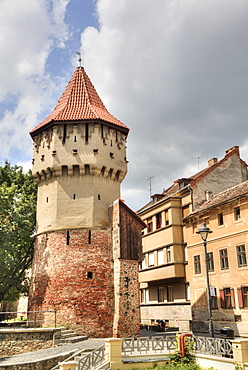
column 80, row 149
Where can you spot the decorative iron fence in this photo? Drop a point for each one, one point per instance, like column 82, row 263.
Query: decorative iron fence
column 33, row 319
column 144, row 345
column 94, row 358
column 213, row 346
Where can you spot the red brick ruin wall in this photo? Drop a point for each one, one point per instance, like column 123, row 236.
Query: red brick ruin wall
column 127, row 252
column 73, row 274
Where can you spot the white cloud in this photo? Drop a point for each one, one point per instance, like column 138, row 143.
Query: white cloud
column 176, row 73
column 30, row 31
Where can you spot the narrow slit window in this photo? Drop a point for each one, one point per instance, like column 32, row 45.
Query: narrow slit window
column 75, row 139
column 87, row 169
column 89, row 275
column 99, row 196
column 64, row 134
column 47, row 199
column 67, row 237
column 89, row 237
column 74, row 196
column 110, row 172
column 86, row 132
column 103, row 170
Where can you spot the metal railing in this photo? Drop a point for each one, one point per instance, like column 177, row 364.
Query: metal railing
column 213, row 346
column 32, row 319
column 93, row 359
column 145, row 345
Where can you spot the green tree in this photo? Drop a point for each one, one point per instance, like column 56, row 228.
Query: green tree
column 17, row 227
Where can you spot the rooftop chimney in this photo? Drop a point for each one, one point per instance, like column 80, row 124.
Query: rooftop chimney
column 212, row 161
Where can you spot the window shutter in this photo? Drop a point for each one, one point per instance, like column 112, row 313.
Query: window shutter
column 222, row 299
column 240, row 298
column 232, row 297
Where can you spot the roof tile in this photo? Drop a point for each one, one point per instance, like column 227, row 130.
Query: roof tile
column 79, row 102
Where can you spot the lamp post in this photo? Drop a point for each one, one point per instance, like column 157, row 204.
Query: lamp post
column 204, row 231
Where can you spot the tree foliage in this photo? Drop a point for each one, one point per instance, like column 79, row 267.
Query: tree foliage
column 17, row 226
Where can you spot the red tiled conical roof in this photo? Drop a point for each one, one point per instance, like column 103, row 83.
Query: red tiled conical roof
column 79, row 102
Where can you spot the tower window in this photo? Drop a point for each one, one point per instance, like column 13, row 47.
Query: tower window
column 89, row 275
column 74, row 151
column 67, row 237
column 47, row 199
column 117, row 176
column 87, row 169
column 75, row 139
column 89, row 237
column 111, row 143
column 86, row 132
column 74, row 196
column 111, row 155
column 110, row 172
column 64, row 171
column 64, row 134
column 95, row 151
column 42, row 157
column 75, row 170
column 103, row 170
column 53, row 152
column 99, row 197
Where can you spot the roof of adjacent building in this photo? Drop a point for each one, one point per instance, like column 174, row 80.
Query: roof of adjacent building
column 79, row 102
column 226, row 196
column 181, row 184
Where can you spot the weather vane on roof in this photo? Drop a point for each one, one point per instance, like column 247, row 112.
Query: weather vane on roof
column 79, row 57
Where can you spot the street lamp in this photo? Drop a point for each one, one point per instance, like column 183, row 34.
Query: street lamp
column 204, row 231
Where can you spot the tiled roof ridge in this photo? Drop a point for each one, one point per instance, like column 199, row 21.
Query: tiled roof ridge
column 224, row 196
column 79, row 101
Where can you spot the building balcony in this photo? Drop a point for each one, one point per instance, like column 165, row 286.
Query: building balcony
column 162, row 272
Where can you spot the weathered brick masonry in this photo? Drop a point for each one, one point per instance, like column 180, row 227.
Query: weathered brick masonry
column 127, row 252
column 76, row 279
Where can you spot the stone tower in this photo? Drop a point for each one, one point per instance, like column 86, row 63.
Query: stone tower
column 88, row 242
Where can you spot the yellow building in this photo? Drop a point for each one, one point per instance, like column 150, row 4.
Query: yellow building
column 164, row 278
column 226, row 214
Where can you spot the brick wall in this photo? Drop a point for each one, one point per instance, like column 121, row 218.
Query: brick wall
column 73, row 274
column 90, row 276
column 127, row 252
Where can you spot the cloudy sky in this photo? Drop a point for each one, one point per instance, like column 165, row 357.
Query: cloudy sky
column 174, row 71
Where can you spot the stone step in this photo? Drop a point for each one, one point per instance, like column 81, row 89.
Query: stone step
column 67, row 335
column 66, row 331
column 74, row 339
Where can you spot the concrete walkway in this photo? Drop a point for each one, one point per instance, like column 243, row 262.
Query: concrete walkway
column 51, row 352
